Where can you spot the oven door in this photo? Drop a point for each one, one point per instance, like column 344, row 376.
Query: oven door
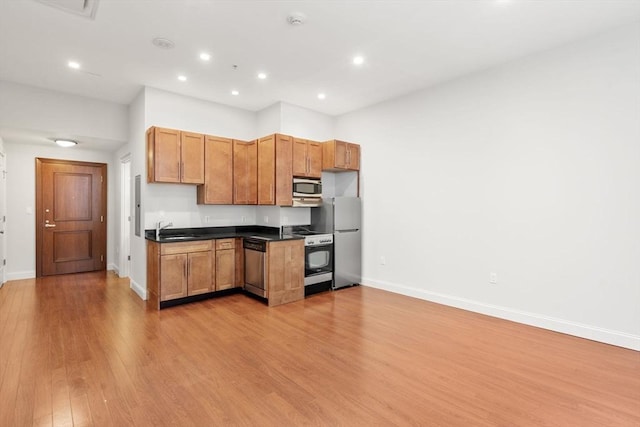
column 318, row 260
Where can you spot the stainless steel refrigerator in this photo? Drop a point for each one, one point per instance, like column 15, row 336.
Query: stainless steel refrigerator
column 342, row 217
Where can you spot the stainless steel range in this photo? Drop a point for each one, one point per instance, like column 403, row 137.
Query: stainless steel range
column 318, row 260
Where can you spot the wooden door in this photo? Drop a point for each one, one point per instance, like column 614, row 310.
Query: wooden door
column 71, row 209
column 192, row 158
column 285, row 271
column 225, row 269
column 218, row 174
column 283, row 170
column 341, row 155
column 245, row 158
column 200, row 272
column 163, row 155
column 353, row 156
column 314, row 154
column 173, row 276
column 300, row 162
column 266, row 170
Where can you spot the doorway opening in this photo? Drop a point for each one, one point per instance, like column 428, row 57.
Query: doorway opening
column 3, row 217
column 125, row 216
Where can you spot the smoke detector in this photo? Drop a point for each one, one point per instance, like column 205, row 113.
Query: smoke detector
column 296, row 19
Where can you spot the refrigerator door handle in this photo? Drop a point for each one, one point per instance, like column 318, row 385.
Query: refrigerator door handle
column 351, row 230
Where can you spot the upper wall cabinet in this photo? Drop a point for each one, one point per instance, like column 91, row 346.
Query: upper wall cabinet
column 307, row 158
column 245, row 169
column 218, row 172
column 339, row 156
column 275, row 174
column 175, row 156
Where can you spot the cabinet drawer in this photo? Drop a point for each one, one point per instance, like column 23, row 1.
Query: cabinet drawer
column 185, row 247
column 225, row 244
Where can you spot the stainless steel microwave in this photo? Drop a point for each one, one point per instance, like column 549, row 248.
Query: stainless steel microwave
column 307, row 192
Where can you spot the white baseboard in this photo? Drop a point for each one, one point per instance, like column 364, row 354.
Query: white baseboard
column 114, row 268
column 621, row 339
column 19, row 275
column 142, row 292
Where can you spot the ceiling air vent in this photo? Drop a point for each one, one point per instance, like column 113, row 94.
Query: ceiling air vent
column 84, row 8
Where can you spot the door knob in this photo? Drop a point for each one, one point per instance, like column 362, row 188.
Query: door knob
column 49, row 225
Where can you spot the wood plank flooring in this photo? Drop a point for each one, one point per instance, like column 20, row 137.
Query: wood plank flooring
column 84, row 350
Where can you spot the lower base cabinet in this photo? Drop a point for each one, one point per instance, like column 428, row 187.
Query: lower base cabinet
column 182, row 269
column 285, row 271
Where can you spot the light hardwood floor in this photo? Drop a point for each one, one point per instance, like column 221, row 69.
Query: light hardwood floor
column 83, row 350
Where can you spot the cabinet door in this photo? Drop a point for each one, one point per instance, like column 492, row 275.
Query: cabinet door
column 353, row 156
column 245, row 172
column 218, row 172
column 266, row 170
column 314, row 156
column 192, row 155
column 300, row 160
column 284, row 170
column 225, row 269
column 285, row 272
column 239, row 260
column 173, row 276
column 199, row 271
column 163, row 153
column 341, row 155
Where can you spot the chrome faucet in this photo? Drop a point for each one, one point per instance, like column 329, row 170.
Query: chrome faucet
column 159, row 227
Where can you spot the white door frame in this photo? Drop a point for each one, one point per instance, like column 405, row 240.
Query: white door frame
column 3, row 217
column 125, row 216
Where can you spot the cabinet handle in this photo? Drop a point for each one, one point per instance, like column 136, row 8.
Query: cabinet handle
column 308, row 165
column 271, row 191
column 181, row 171
column 349, row 157
column 185, row 270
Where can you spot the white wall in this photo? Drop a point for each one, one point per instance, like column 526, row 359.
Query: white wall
column 32, row 108
column 20, row 229
column 529, row 170
column 304, row 123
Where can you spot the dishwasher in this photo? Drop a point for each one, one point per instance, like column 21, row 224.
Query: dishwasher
column 255, row 250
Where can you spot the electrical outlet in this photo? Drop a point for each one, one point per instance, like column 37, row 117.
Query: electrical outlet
column 383, row 260
column 493, row 278
column 207, row 219
column 243, row 219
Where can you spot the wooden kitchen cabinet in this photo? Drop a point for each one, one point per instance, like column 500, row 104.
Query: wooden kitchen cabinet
column 218, row 172
column 339, row 155
column 174, row 156
column 245, row 170
column 225, row 264
column 275, row 172
column 307, row 158
column 177, row 270
column 285, row 271
column 239, row 263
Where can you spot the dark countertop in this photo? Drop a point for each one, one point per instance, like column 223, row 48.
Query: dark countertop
column 173, row 235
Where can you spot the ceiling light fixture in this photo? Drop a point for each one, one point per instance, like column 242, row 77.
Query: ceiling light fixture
column 66, row 143
column 322, row 96
column 205, row 56
column 358, row 60
column 182, row 78
column 262, row 76
column 235, row 93
column 163, row 43
column 73, row 64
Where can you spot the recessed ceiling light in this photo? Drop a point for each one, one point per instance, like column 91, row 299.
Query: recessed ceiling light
column 358, row 60
column 262, row 76
column 235, row 93
column 73, row 64
column 66, row 143
column 182, row 78
column 205, row 56
column 322, row 96
column 163, row 43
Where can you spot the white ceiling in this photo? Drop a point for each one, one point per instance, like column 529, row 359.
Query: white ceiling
column 407, row 45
